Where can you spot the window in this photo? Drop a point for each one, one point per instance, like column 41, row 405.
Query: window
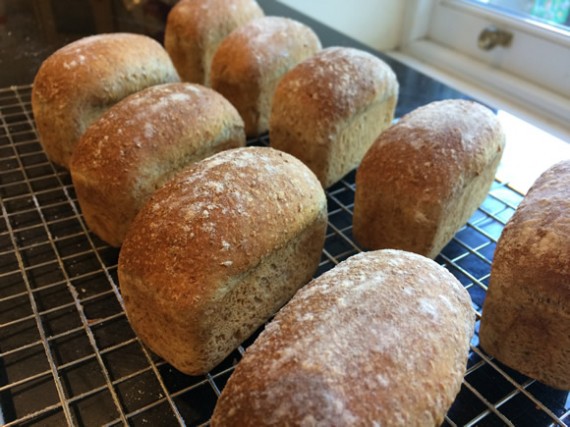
column 532, row 72
column 551, row 13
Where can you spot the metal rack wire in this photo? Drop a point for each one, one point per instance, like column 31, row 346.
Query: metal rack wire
column 69, row 356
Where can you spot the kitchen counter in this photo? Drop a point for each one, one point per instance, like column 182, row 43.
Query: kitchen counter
column 67, row 352
column 32, row 31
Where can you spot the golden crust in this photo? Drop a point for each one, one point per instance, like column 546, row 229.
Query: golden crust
column 198, row 267
column 526, row 316
column 250, row 62
column 195, row 28
column 77, row 83
column 425, row 176
column 329, row 109
column 381, row 339
column 140, row 143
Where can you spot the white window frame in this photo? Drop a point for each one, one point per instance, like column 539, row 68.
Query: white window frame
column 482, row 74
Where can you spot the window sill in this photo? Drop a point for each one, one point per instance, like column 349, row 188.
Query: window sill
column 535, row 120
column 538, row 106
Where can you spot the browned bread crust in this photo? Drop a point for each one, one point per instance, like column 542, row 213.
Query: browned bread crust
column 526, row 315
column 425, row 176
column 381, row 339
column 140, row 143
column 250, row 62
column 218, row 250
column 195, row 28
column 329, row 109
column 77, row 83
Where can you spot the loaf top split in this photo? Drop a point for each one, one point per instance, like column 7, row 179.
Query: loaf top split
column 333, row 86
column 526, row 315
column 77, row 83
column 149, row 124
column 195, row 28
column 433, row 152
column 536, row 241
column 140, row 143
column 250, row 62
column 383, row 337
column 146, row 123
column 215, row 220
column 271, row 44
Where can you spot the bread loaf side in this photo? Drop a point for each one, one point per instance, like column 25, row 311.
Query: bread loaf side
column 381, row 339
column 425, row 176
column 526, row 314
column 195, row 28
column 140, row 143
column 329, row 109
column 217, row 250
column 250, row 62
column 80, row 81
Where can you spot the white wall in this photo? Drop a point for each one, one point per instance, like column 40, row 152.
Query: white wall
column 376, row 23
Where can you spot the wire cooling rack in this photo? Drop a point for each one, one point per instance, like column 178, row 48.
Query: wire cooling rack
column 69, row 356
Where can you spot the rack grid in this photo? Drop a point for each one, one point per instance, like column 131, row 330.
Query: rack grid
column 69, row 356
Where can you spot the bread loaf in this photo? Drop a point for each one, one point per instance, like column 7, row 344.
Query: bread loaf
column 381, row 339
column 77, row 83
column 249, row 63
column 330, row 108
column 425, row 176
column 217, row 251
column 526, row 314
column 195, row 28
column 140, row 143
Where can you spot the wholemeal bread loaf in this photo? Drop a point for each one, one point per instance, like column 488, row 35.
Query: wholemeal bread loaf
column 140, row 143
column 330, row 108
column 425, row 176
column 195, row 28
column 77, row 83
column 526, row 314
column 381, row 339
column 217, row 251
column 249, row 63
